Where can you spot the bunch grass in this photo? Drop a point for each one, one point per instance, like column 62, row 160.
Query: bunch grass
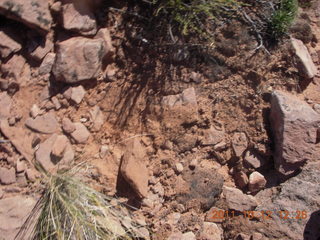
column 283, row 18
column 70, row 209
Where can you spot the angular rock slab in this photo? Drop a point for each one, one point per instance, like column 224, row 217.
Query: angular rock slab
column 78, row 59
column 294, row 125
column 304, row 60
column 45, row 157
column 13, row 213
column 33, row 13
column 78, row 18
column 133, row 168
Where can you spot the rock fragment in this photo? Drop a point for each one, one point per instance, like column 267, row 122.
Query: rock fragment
column 81, row 133
column 78, row 59
column 256, row 182
column 78, row 18
column 213, row 136
column 294, row 125
column 34, row 13
column 42, row 48
column 251, row 159
column 241, row 179
column 237, row 200
column 7, row 176
column 46, row 123
column 97, row 117
column 47, row 63
column 35, row 111
column 305, row 66
column 8, row 45
column 20, row 138
column 133, row 168
column 50, row 160
column 77, row 94
column 68, row 126
column 239, row 143
column 211, row 231
column 5, row 105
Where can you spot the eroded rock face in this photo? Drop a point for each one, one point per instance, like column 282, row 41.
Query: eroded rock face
column 294, row 125
column 34, row 13
column 133, row 168
column 298, row 194
column 78, row 59
column 13, row 213
column 305, row 64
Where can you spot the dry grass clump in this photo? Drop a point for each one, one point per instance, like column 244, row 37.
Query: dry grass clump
column 69, row 209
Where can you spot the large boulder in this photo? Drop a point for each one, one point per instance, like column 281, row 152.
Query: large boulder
column 33, row 13
column 294, row 125
column 78, row 59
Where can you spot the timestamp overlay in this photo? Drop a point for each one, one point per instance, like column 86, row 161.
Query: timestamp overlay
column 266, row 215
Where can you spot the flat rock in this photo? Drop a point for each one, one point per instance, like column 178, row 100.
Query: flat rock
column 33, row 13
column 13, row 213
column 294, row 125
column 305, row 66
column 256, row 182
column 78, row 59
column 5, row 105
column 133, row 168
column 46, row 155
column 77, row 94
column 97, row 117
column 7, row 176
column 81, row 134
column 239, row 143
column 20, row 138
column 237, row 200
column 8, row 45
column 46, row 123
column 78, row 18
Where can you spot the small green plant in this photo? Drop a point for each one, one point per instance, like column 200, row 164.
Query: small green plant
column 282, row 18
column 69, row 209
column 191, row 15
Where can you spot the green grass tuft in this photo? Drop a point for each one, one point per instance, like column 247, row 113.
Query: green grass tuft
column 282, row 18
